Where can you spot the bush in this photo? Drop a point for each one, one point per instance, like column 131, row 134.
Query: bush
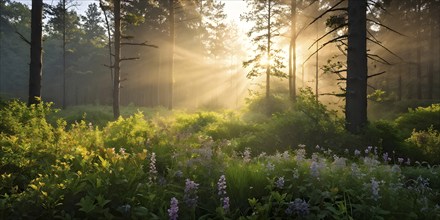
column 420, row 118
column 428, row 142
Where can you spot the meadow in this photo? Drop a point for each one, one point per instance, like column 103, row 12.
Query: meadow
column 292, row 161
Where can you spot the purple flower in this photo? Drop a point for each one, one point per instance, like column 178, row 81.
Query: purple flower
column 375, row 189
column 357, row 152
column 280, row 182
column 221, row 186
column 247, row 155
column 174, row 209
column 299, row 207
column 190, row 197
column 314, row 169
column 385, row 157
column 225, row 202
column 152, row 170
column 400, row 160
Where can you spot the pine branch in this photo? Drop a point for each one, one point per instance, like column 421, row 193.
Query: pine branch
column 23, row 37
column 325, row 44
column 129, row 58
column 326, row 34
column 327, row 11
column 378, row 58
column 376, row 74
column 139, row 44
column 386, row 27
column 389, row 51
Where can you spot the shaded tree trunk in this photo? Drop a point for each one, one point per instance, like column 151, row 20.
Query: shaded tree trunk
column 268, row 50
column 64, row 54
column 35, row 69
column 292, row 52
column 356, row 94
column 419, row 53
column 431, row 60
column 117, row 43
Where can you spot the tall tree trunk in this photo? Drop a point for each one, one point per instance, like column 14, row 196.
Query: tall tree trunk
column 36, row 66
column 431, row 59
column 107, row 25
column 268, row 49
column 317, row 65
column 356, row 97
column 292, row 52
column 117, row 42
column 419, row 52
column 64, row 54
column 171, row 54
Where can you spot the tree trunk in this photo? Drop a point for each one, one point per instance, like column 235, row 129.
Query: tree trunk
column 64, row 54
column 292, row 52
column 171, row 55
column 117, row 42
column 268, row 50
column 419, row 53
column 431, row 60
column 35, row 68
column 356, row 94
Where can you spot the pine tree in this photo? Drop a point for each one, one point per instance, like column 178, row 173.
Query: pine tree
column 267, row 19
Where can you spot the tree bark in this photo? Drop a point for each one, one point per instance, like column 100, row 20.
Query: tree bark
column 117, row 76
column 268, row 50
column 35, row 68
column 292, row 52
column 64, row 54
column 356, row 94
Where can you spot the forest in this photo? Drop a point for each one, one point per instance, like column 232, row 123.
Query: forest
column 219, row 109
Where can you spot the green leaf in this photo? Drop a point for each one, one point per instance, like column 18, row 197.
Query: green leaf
column 87, row 204
column 140, row 211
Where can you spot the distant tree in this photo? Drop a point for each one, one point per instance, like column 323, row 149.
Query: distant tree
column 14, row 70
column 267, row 18
column 36, row 66
column 92, row 25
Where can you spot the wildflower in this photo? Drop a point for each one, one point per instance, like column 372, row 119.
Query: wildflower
column 153, row 170
column 301, row 145
column 375, row 189
column 190, row 197
column 295, row 174
column 395, row 169
column 221, row 186
column 225, row 202
column 385, row 157
column 247, row 155
column 122, row 150
column 286, row 155
column 174, row 209
column 314, row 169
column 315, row 157
column 125, row 209
column 346, row 151
column 318, row 147
column 270, row 166
column 280, row 182
column 357, row 152
column 355, row 170
column 179, row 173
column 400, row 160
column 339, row 162
column 298, row 207
column 300, row 154
column 408, row 162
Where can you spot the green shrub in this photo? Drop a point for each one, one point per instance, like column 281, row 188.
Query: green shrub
column 428, row 142
column 419, row 119
column 131, row 133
